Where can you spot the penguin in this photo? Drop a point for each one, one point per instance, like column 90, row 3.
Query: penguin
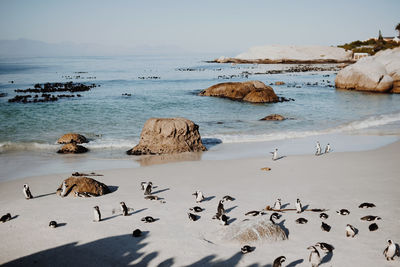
column 151, row 197
column 278, row 261
column 83, row 194
column 328, row 148
column 325, row 227
column 223, row 219
column 350, row 230
column 366, row 205
column 327, row 248
column 301, row 221
column 373, row 227
column 228, row 198
column 254, row 213
column 314, row 257
column 27, row 192
column 192, row 216
column 5, row 218
column 299, row 207
column 277, row 205
column 124, row 208
column 274, row 154
column 148, row 219
column 220, row 208
column 143, row 185
column 147, row 190
column 246, row 249
column 97, row 214
column 343, row 212
column 324, row 216
column 136, row 233
column 370, row 218
column 199, row 196
column 64, row 189
column 53, row 224
column 274, row 216
column 318, row 152
column 196, row 209
column 390, row 251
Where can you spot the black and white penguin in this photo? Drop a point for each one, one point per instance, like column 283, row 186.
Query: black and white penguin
column 97, row 214
column 147, row 190
column 327, row 248
column 366, row 205
column 228, row 198
column 124, row 208
column 274, row 216
column 53, row 224
column 328, row 148
column 324, row 216
column 223, row 219
column 152, row 197
column 246, row 249
column 314, row 257
column 299, row 207
column 148, row 219
column 5, row 218
column 143, row 185
column 192, row 216
column 254, row 213
column 343, row 212
column 350, row 230
column 373, row 227
column 370, row 218
column 301, row 221
column 220, row 208
column 278, row 261
column 274, row 154
column 82, row 194
column 390, row 251
column 199, row 196
column 136, row 233
column 64, row 188
column 277, row 204
column 27, row 192
column 325, row 227
column 318, row 151
column 196, row 209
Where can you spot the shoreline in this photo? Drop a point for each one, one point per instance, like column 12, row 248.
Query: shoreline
column 280, row 61
column 333, row 181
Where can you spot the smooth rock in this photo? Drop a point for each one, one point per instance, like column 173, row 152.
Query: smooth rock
column 167, row 136
column 72, row 138
column 84, row 184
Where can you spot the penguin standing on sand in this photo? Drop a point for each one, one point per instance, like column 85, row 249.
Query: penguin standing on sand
column 124, row 208
column 318, row 152
column 53, row 224
column 314, row 257
column 97, row 214
column 327, row 248
column 299, row 207
column 274, row 154
column 390, row 251
column 199, row 196
column 223, row 219
column 328, row 148
column 277, row 205
column 27, row 192
column 147, row 190
column 5, row 218
column 64, row 189
column 278, row 261
column 274, row 216
column 350, row 230
column 220, row 208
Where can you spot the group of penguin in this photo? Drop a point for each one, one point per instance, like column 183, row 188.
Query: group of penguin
column 314, row 258
column 318, row 151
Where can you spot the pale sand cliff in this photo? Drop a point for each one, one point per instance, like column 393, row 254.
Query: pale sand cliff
column 332, row 181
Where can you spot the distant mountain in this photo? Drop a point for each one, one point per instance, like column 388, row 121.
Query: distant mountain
column 32, row 48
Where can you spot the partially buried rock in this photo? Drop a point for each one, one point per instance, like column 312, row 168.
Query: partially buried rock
column 279, row 83
column 72, row 138
column 251, row 91
column 83, row 184
column 72, row 149
column 167, row 136
column 273, row 117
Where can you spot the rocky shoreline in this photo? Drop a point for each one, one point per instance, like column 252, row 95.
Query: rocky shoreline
column 279, row 61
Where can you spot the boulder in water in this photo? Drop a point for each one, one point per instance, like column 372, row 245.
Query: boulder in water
column 72, row 138
column 72, row 148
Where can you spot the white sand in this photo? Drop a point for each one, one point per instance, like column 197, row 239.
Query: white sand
column 333, row 181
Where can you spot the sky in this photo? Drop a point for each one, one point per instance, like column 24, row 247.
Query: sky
column 198, row 26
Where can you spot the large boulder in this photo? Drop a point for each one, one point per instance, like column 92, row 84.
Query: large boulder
column 379, row 73
column 83, row 185
column 167, row 136
column 251, row 91
column 72, row 148
column 72, row 138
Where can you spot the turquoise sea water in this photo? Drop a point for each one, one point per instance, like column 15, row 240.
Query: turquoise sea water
column 113, row 122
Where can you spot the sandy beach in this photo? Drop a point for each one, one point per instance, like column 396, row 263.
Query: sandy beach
column 338, row 180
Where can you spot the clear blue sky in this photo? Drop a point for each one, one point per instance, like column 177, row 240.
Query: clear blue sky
column 202, row 26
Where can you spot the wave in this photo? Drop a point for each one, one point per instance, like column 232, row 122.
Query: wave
column 26, row 146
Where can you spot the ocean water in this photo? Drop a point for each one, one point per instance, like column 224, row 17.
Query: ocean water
column 113, row 122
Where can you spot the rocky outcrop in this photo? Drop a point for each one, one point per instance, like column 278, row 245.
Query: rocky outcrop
column 379, row 73
column 273, row 117
column 84, row 185
column 72, row 148
column 167, row 136
column 251, row 91
column 72, row 138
